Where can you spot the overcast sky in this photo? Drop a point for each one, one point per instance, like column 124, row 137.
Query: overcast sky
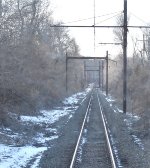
column 72, row 10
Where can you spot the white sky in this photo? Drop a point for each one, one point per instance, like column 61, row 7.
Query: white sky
column 72, row 10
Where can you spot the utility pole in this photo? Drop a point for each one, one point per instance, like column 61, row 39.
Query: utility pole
column 102, row 75
column 107, row 73
column 99, row 74
column 66, row 72
column 85, row 73
column 94, row 28
column 125, row 27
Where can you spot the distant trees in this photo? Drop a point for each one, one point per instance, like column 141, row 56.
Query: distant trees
column 146, row 44
column 138, row 81
column 32, row 66
column 118, row 33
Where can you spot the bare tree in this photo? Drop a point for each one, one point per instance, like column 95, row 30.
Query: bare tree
column 33, row 56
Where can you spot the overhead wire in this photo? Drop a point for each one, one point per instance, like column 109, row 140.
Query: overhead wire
column 139, row 18
column 108, row 18
column 90, row 18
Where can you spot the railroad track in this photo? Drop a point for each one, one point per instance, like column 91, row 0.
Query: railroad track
column 97, row 150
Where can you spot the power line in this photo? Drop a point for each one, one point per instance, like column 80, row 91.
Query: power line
column 138, row 18
column 108, row 18
column 90, row 18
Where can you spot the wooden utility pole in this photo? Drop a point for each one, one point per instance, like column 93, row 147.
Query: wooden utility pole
column 125, row 58
column 107, row 73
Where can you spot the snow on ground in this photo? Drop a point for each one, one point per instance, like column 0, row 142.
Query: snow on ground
column 41, row 139
column 17, row 157
column 47, row 116
column 138, row 141
column 110, row 99
column 83, row 141
column 51, row 116
column 129, row 120
column 9, row 133
column 119, row 110
column 74, row 99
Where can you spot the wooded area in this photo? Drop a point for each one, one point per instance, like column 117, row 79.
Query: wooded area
column 138, row 77
column 33, row 58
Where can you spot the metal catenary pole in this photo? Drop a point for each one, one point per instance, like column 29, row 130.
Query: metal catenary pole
column 107, row 73
column 66, row 73
column 99, row 74
column 125, row 58
column 86, row 58
column 102, row 76
column 85, row 74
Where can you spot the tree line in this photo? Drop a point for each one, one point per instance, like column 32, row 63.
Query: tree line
column 33, row 57
column 138, row 77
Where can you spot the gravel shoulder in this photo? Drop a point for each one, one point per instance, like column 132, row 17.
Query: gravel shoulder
column 61, row 152
column 131, row 151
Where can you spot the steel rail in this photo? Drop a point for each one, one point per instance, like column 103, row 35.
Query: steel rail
column 107, row 136
column 81, row 131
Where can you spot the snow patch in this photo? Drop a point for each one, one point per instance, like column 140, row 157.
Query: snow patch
column 79, row 156
column 74, row 99
column 120, row 111
column 115, row 111
column 133, row 117
column 40, row 138
column 17, row 157
column 47, row 117
column 129, row 121
column 36, row 162
column 9, row 133
column 110, row 99
column 138, row 141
